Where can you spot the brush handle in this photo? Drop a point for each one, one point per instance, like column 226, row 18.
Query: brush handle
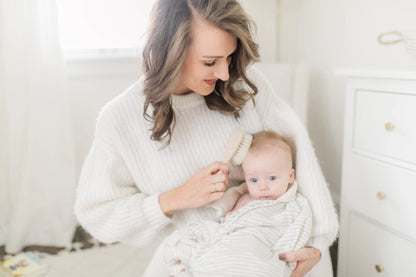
column 232, row 145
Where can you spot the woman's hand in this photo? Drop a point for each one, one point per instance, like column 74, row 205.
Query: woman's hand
column 206, row 186
column 306, row 259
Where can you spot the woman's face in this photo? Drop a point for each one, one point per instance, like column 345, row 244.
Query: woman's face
column 207, row 58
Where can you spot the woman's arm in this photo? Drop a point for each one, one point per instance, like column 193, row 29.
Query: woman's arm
column 111, row 208
column 109, row 205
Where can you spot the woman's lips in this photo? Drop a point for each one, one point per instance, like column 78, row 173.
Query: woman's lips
column 211, row 82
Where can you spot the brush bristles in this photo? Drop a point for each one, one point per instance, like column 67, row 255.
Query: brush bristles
column 232, row 145
column 237, row 147
column 242, row 149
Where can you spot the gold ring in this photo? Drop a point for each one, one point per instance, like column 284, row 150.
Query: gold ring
column 214, row 187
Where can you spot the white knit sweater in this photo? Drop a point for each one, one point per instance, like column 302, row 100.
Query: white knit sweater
column 125, row 171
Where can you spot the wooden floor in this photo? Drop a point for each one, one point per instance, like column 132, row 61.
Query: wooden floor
column 80, row 237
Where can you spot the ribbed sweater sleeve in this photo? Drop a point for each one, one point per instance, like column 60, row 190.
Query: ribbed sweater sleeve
column 277, row 115
column 108, row 203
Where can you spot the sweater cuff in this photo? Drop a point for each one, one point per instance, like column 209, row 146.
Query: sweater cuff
column 154, row 214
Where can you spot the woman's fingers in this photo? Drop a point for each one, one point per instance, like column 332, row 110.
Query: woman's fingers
column 216, row 196
column 218, row 166
column 306, row 258
column 291, row 257
column 304, row 253
column 217, row 179
column 206, row 186
column 217, row 187
column 220, row 179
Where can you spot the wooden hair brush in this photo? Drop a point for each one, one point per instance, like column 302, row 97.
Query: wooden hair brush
column 237, row 147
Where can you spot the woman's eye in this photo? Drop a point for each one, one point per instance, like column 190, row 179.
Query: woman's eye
column 253, row 180
column 271, row 178
column 209, row 64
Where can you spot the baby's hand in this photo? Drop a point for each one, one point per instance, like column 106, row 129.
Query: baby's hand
column 228, row 213
column 243, row 200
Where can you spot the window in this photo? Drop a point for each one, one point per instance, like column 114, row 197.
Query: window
column 99, row 28
column 103, row 25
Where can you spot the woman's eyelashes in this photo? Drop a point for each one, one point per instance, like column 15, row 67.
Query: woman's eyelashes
column 229, row 58
column 209, row 64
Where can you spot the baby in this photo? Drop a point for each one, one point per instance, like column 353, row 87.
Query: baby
column 262, row 218
column 268, row 168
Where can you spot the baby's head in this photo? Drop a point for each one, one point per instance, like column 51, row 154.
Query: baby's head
column 269, row 165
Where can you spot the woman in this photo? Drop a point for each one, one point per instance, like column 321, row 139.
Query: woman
column 143, row 177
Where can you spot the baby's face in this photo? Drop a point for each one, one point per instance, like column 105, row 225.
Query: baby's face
column 268, row 172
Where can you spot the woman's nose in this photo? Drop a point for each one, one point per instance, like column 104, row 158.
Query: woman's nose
column 222, row 72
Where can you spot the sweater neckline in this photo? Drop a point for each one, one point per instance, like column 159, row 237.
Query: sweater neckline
column 186, row 100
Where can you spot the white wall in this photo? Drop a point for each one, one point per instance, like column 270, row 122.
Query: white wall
column 328, row 34
column 265, row 15
column 92, row 83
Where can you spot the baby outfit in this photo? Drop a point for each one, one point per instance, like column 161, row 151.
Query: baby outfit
column 246, row 243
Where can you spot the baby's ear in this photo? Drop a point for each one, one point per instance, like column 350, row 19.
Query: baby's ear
column 291, row 176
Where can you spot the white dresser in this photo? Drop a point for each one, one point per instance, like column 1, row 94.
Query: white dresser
column 378, row 195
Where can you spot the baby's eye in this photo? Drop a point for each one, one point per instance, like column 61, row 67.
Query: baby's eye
column 271, row 178
column 253, row 180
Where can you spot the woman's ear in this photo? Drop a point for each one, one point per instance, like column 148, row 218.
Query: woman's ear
column 291, row 176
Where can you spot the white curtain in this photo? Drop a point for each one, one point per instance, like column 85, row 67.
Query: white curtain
column 37, row 173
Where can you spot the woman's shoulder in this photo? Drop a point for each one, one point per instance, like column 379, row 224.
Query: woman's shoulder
column 263, row 85
column 128, row 102
column 255, row 74
column 122, row 112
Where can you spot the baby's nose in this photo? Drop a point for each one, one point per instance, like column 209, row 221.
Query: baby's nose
column 264, row 186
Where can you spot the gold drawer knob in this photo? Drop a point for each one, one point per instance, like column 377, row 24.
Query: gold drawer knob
column 389, row 126
column 381, row 195
column 379, row 268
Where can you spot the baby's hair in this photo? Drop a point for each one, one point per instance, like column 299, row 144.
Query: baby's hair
column 262, row 137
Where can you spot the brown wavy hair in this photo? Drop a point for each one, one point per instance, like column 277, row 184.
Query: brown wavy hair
column 169, row 37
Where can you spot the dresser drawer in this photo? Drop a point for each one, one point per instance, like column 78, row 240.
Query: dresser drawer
column 378, row 192
column 385, row 125
column 381, row 191
column 375, row 251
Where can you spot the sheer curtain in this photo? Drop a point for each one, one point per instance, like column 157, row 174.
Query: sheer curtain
column 37, row 163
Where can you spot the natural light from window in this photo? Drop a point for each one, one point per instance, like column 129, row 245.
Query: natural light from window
column 103, row 24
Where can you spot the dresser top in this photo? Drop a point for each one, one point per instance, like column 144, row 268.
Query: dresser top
column 376, row 74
